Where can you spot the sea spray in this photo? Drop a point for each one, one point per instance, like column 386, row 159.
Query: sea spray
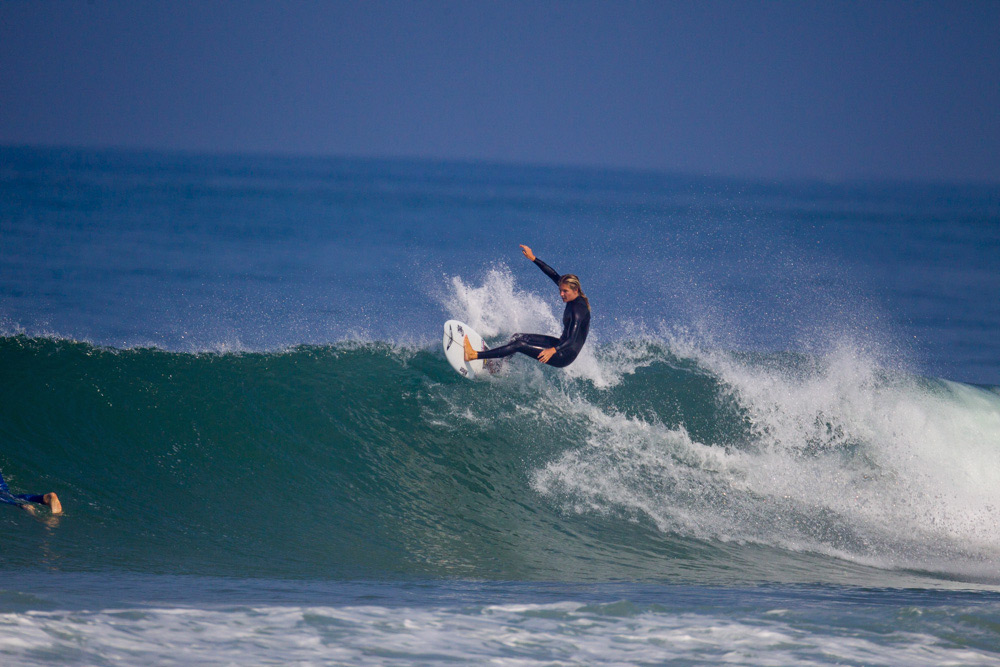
column 833, row 455
column 497, row 309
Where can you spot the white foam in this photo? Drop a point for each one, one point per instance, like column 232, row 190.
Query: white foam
column 523, row 634
column 843, row 458
column 931, row 453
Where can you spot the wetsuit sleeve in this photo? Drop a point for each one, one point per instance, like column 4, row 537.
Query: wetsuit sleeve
column 548, row 270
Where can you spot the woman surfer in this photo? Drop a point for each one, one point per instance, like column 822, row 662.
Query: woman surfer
column 558, row 352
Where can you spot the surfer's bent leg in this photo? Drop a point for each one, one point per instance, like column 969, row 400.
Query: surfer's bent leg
column 529, row 344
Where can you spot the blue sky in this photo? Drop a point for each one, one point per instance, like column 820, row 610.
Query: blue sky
column 828, row 90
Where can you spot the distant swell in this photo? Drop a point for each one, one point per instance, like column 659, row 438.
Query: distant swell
column 664, row 461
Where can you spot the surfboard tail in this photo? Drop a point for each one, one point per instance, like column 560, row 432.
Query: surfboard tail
column 455, row 333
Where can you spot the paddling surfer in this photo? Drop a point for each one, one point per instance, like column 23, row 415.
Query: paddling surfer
column 22, row 499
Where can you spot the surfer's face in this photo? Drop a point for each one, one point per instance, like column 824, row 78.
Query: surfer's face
column 568, row 293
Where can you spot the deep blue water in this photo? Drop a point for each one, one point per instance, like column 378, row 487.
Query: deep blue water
column 782, row 442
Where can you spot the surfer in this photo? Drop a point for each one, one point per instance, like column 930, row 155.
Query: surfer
column 558, row 352
column 22, row 499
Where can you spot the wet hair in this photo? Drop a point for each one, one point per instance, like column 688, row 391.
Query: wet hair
column 573, row 282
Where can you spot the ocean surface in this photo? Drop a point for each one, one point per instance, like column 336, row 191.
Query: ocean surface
column 781, row 445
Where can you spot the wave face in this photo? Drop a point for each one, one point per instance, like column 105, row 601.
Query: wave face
column 658, row 459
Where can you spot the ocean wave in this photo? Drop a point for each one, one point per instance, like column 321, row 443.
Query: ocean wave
column 369, row 458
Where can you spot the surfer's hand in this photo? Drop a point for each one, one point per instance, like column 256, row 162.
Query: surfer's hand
column 527, row 253
column 545, row 355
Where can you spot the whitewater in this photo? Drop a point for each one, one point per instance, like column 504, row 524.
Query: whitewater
column 230, row 371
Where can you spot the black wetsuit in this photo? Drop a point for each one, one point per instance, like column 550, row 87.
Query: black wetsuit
column 576, row 324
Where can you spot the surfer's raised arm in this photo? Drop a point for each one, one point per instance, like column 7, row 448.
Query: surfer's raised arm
column 546, row 269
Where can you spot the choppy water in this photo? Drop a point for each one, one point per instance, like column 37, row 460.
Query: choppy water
column 781, row 445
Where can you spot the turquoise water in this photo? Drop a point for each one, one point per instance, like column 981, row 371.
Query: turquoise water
column 781, row 444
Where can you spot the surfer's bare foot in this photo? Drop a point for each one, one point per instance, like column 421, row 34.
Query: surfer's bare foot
column 52, row 500
column 470, row 352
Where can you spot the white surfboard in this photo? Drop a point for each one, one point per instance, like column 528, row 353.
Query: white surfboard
column 454, row 348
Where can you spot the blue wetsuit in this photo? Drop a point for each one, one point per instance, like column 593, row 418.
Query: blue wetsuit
column 20, row 499
column 576, row 325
